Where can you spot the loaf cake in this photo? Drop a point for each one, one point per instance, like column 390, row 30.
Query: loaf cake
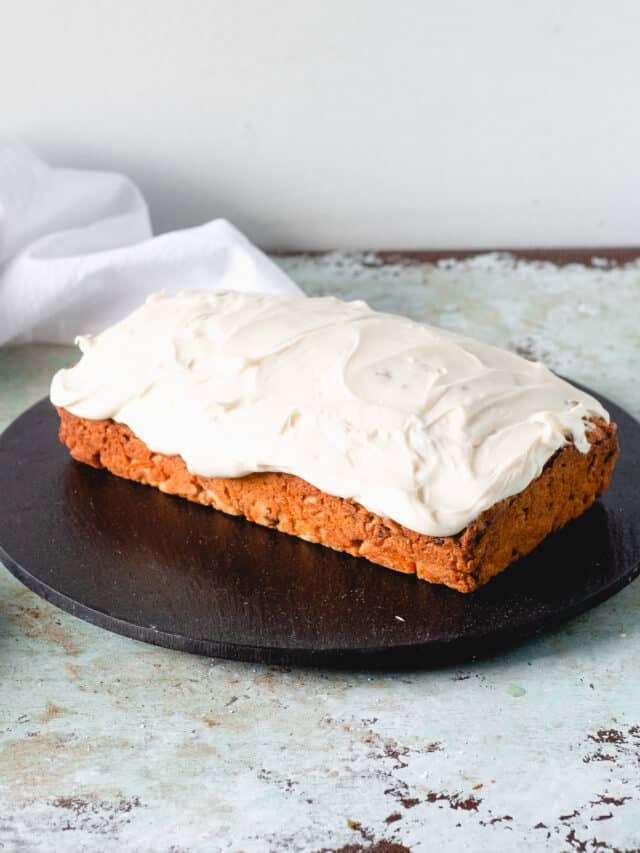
column 419, row 449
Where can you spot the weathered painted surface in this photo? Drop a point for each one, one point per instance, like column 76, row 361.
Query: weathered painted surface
column 112, row 745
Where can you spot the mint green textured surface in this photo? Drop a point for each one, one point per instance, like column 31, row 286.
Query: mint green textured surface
column 108, row 744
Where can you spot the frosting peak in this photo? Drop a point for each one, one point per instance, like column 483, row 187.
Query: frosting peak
column 417, row 424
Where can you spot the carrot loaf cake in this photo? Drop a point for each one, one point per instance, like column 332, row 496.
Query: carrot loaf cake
column 422, row 450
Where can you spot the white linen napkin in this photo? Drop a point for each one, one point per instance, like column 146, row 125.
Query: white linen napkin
column 77, row 253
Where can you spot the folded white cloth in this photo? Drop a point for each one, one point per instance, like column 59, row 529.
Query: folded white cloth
column 77, row 252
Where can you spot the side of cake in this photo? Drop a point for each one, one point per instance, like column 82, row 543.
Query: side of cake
column 418, row 449
column 569, row 484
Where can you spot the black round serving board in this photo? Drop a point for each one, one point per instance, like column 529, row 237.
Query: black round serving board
column 165, row 571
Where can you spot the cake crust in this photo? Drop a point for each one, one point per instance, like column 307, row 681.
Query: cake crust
column 569, row 484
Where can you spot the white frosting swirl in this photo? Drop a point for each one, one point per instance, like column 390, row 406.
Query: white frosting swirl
column 417, row 424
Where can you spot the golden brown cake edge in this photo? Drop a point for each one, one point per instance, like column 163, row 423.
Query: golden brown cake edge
column 569, row 484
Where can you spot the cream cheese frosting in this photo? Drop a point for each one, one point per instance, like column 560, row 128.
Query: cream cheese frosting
column 417, row 424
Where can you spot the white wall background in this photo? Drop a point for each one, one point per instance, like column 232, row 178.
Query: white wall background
column 338, row 123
